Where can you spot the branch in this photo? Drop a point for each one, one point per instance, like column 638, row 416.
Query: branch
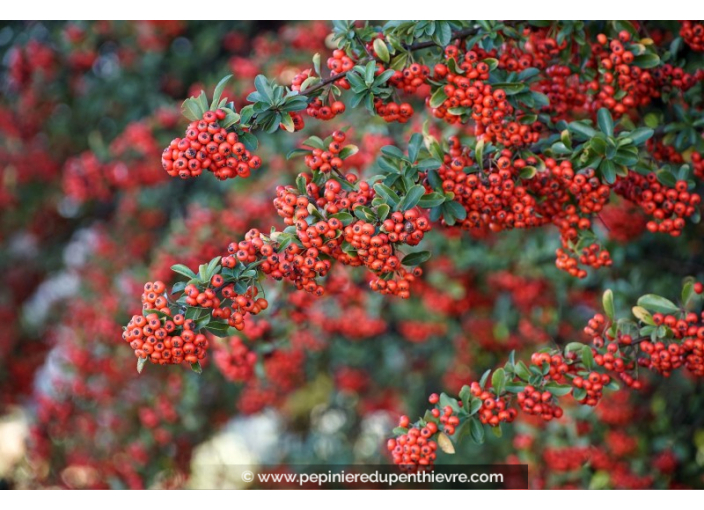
column 460, row 34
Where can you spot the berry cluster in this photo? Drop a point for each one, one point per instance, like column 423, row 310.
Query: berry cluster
column 393, row 112
column 320, row 111
column 293, row 263
column 495, row 118
column 693, row 34
column 668, row 206
column 494, row 409
column 410, row 78
column 377, row 252
column 207, row 146
column 593, row 383
column 339, row 63
column 622, row 85
column 328, row 160
column 687, row 349
column 592, row 256
column 414, row 450
column 165, row 341
column 538, row 403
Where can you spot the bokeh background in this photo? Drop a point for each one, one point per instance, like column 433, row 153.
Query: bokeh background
column 88, row 214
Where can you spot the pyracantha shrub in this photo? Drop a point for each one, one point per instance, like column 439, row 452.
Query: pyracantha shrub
column 406, row 205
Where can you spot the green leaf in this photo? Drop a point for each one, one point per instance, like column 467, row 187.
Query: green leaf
column 264, row 88
column 382, row 211
column 246, row 114
column 659, row 304
column 559, row 390
column 688, row 293
column 438, row 98
column 453, row 211
column 356, row 82
column 526, row 74
column 485, row 376
column 465, row 396
column 605, row 122
column 608, row 302
column 579, row 394
column 287, row 122
column 428, row 164
column 574, row 347
column 646, row 61
column 498, row 381
column 566, row 138
column 389, row 195
column 479, row 153
column 528, row 172
column 414, row 147
column 381, row 50
column 140, row 364
column 393, row 152
column 203, row 101
column 509, row 88
column 444, row 33
column 250, row 141
column 494, row 63
column 344, row 217
column 613, row 385
column 625, row 159
column 475, row 406
column 412, row 198
column 231, row 118
column 369, row 71
column 560, row 148
column 587, row 357
column 398, row 63
column 196, row 367
column 665, row 177
column 522, row 371
column 196, row 313
column 515, row 387
column 347, row 151
column 381, row 79
column 314, row 142
column 476, row 430
column 297, row 152
column 415, row 259
column 217, row 93
column 582, row 129
column 446, row 400
column 640, row 135
column 219, row 329
column 178, row 287
column 652, row 120
column 183, row 270
column 608, row 171
column 364, row 213
column 430, row 200
column 212, row 267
